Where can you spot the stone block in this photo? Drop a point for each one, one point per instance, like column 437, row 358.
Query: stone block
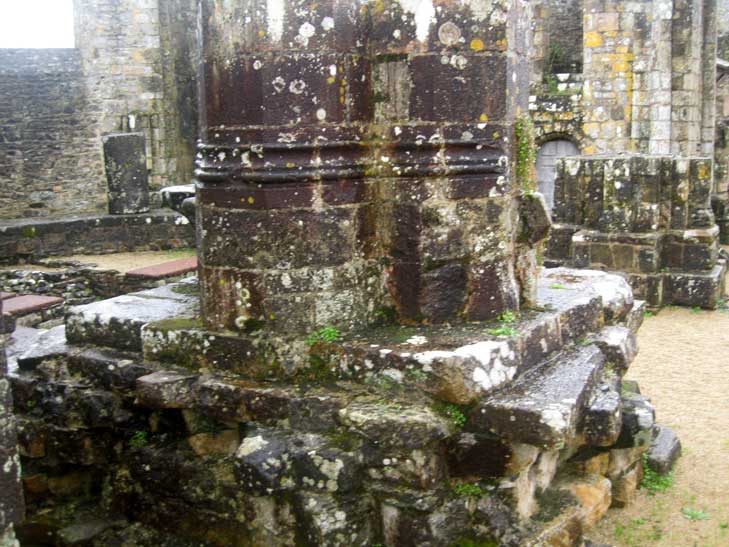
column 125, row 159
column 664, row 450
column 165, row 389
column 544, row 410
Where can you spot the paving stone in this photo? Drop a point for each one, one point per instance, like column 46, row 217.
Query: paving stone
column 167, row 269
column 545, row 407
column 664, row 450
column 6, row 295
column 24, row 305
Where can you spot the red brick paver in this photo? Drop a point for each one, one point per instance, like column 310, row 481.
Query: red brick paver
column 167, row 269
column 23, row 305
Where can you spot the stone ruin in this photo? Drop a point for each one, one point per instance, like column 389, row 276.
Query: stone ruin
column 647, row 216
column 371, row 355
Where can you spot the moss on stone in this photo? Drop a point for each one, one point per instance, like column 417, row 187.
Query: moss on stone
column 177, row 323
column 526, row 154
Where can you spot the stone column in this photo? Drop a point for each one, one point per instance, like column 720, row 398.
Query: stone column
column 11, row 493
column 358, row 162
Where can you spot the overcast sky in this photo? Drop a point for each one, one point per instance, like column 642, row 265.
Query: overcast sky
column 36, row 23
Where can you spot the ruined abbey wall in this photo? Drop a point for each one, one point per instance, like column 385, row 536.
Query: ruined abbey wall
column 132, row 69
column 647, row 82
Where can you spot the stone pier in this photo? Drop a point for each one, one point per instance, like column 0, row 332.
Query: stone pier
column 358, row 162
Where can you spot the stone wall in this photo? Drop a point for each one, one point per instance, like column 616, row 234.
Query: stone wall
column 93, row 234
column 132, row 69
column 648, row 78
column 649, row 217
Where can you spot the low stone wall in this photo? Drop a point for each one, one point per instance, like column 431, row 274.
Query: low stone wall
column 93, row 234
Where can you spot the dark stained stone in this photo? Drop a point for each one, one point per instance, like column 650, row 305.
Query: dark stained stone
column 664, row 450
column 125, row 159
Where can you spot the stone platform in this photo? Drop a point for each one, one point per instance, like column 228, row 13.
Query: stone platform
column 515, row 432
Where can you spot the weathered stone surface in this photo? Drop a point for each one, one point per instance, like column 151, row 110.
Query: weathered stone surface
column 638, row 421
column 395, row 425
column 263, row 462
column 602, row 423
column 165, row 389
column 625, row 487
column 618, row 345
column 49, row 345
column 222, row 443
column 545, row 408
column 118, row 322
column 109, row 369
column 664, row 450
column 12, row 502
column 534, row 217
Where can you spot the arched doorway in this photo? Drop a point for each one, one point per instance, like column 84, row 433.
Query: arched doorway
column 547, row 155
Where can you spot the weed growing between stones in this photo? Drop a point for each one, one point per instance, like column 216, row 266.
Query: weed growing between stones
column 139, row 439
column 468, row 490
column 453, row 412
column 557, row 286
column 655, row 482
column 327, row 334
column 503, row 331
column 507, row 317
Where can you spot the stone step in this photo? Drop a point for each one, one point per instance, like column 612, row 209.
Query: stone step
column 545, row 408
column 24, row 305
column 173, row 268
column 118, row 322
column 49, row 344
column 6, row 295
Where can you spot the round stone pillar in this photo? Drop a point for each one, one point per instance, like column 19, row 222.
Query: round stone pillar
column 356, row 162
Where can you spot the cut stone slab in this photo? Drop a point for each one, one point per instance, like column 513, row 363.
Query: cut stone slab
column 22, row 340
column 619, row 346
column 23, row 305
column 118, row 322
column 166, row 389
column 6, row 295
column 109, row 368
column 167, row 269
column 616, row 294
column 48, row 345
column 545, row 407
column 665, row 449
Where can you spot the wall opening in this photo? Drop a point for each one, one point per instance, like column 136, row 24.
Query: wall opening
column 41, row 24
column 547, row 156
column 564, row 37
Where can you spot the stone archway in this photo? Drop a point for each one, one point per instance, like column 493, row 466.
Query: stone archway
column 547, row 155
